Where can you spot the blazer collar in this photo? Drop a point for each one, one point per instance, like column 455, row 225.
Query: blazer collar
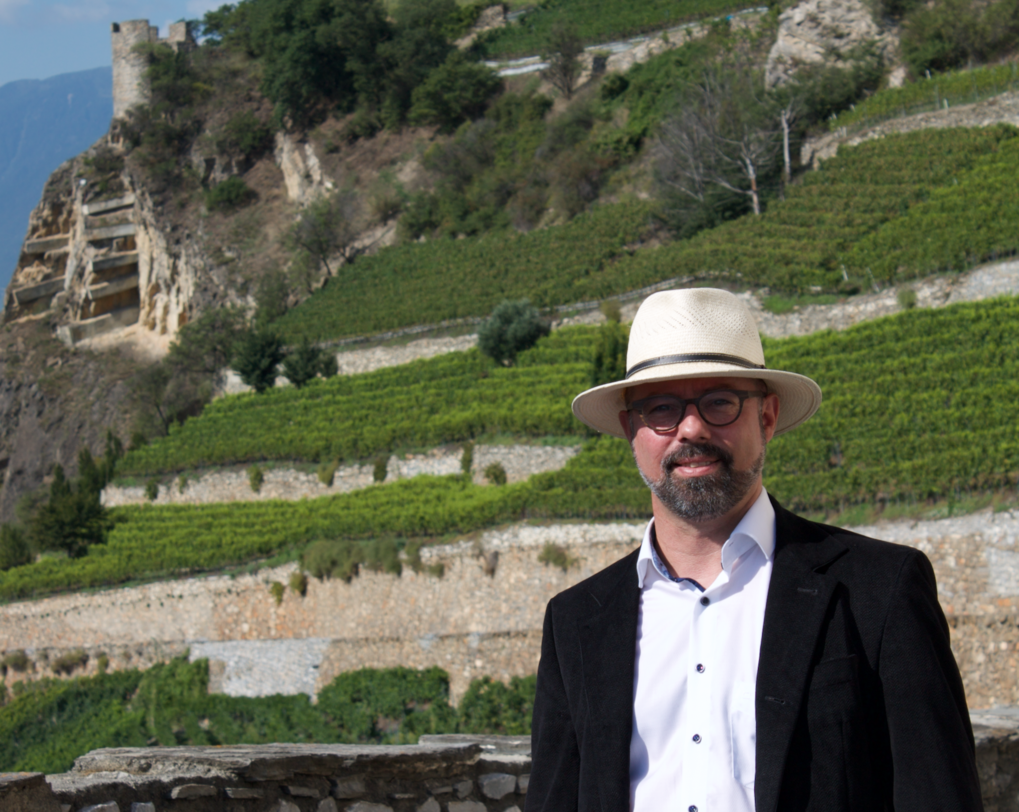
column 798, row 599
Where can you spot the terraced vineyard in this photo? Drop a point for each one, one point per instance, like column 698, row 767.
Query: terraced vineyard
column 917, row 406
column 884, row 211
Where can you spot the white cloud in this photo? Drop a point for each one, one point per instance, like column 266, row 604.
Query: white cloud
column 90, row 11
column 8, row 7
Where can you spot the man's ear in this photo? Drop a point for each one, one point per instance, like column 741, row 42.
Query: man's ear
column 769, row 415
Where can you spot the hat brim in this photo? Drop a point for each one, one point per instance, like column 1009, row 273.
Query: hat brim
column 798, row 396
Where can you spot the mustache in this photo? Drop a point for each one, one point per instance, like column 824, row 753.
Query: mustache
column 691, row 450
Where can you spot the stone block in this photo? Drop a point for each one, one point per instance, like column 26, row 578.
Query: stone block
column 287, row 806
column 26, row 792
column 522, row 782
column 143, row 807
column 513, row 808
column 497, row 785
column 347, row 788
column 327, row 805
column 466, row 806
column 243, row 793
column 109, row 806
column 41, row 246
column 464, row 788
column 101, row 206
column 113, row 287
column 33, row 293
column 111, row 232
column 431, row 805
column 364, row 806
column 192, row 791
column 302, row 792
column 114, row 261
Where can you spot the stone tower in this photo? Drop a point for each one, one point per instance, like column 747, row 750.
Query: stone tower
column 128, row 65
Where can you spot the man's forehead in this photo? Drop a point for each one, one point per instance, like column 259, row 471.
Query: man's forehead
column 686, row 387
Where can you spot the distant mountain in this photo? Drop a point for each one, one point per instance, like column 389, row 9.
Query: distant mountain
column 43, row 122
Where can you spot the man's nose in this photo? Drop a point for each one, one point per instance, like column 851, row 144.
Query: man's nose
column 692, row 426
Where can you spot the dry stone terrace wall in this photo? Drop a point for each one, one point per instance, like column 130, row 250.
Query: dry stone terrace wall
column 283, row 482
column 440, row 774
column 482, row 617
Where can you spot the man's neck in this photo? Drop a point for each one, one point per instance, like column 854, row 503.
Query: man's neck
column 694, row 549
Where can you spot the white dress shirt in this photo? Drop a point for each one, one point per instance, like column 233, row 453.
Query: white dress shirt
column 694, row 739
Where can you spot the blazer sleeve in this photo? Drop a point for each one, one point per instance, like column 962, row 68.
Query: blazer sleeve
column 931, row 738
column 555, row 755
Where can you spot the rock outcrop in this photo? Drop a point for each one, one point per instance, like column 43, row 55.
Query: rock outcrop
column 816, row 31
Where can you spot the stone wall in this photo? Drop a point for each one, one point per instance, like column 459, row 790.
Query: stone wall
column 483, row 616
column 439, row 774
column 519, row 462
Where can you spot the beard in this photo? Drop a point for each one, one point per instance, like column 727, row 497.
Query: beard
column 705, row 497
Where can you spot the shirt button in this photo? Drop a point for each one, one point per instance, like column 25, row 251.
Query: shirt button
column 700, row 668
column 691, row 808
column 705, row 600
column 697, row 738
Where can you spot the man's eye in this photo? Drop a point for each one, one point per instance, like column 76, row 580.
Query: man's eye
column 661, row 408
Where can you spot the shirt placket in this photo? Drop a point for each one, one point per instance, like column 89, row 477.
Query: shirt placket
column 702, row 672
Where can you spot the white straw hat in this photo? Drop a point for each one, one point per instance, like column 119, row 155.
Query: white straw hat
column 696, row 333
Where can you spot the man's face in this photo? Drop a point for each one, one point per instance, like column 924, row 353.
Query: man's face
column 697, row 471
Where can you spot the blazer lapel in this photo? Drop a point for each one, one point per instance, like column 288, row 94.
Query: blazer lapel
column 798, row 599
column 608, row 644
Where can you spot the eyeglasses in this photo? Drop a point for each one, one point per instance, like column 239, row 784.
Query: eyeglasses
column 663, row 413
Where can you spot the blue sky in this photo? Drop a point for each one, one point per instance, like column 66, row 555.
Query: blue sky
column 43, row 38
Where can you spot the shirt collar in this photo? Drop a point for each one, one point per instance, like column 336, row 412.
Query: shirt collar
column 756, row 527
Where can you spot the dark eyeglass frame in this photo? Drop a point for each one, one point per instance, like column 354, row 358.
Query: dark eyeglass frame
column 742, row 394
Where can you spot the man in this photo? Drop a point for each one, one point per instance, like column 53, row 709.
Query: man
column 743, row 658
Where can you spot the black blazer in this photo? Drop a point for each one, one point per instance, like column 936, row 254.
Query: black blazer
column 859, row 701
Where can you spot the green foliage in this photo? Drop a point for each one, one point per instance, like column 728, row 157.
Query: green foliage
column 561, row 51
column 229, row 195
column 323, row 229
column 381, row 469
column 948, row 34
column 14, row 547
column 906, row 297
column 456, row 91
column 72, row 520
column 331, row 559
column 596, row 21
column 152, row 489
column 962, row 87
column 467, row 458
column 556, row 556
column 392, row 706
column 495, row 473
column 244, row 134
column 512, row 328
column 16, row 661
column 299, row 583
column 608, row 363
column 307, row 362
column 277, row 590
column 256, row 476
column 71, row 661
column 257, row 355
column 494, row 708
column 326, row 472
column 611, row 310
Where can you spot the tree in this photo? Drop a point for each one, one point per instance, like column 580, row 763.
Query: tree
column 724, row 138
column 258, row 355
column 14, row 547
column 609, row 361
column 324, row 229
column 512, row 328
column 307, row 362
column 454, row 92
column 205, row 345
column 73, row 519
column 560, row 51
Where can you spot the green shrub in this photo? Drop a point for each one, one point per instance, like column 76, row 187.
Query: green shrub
column 69, row 662
column 326, row 472
column 277, row 590
column 306, row 362
column 256, row 477
column 381, row 469
column 906, row 297
column 512, row 328
column 611, row 310
column 257, row 356
column 495, row 473
column 456, row 91
column 299, row 583
column 16, row 660
column 152, row 489
column 494, row 708
column 102, row 663
column 330, row 559
column 467, row 458
column 229, row 195
column 608, row 363
column 14, row 547
column 555, row 556
column 244, row 134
